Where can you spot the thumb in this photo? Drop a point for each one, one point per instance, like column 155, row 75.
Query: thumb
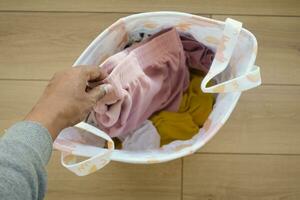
column 98, row 92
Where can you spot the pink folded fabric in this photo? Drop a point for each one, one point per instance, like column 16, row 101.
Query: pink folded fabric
column 198, row 56
column 145, row 78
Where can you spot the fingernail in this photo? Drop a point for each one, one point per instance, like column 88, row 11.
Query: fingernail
column 103, row 89
column 108, row 88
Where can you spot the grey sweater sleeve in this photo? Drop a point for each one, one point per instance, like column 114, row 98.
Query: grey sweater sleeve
column 25, row 149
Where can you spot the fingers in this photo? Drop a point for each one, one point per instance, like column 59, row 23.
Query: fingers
column 94, row 73
column 98, row 92
column 92, row 84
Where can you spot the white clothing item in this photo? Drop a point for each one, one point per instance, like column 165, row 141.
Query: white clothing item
column 145, row 137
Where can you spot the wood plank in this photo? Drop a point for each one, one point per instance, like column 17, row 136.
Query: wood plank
column 116, row 181
column 278, row 46
column 266, row 119
column 16, row 100
column 42, row 43
column 241, row 177
column 255, row 7
column 35, row 45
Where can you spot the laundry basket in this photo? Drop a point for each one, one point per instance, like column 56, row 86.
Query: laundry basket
column 233, row 69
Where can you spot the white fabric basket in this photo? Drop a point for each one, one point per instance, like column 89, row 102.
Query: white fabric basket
column 233, row 68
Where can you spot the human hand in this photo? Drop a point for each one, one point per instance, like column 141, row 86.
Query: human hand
column 68, row 98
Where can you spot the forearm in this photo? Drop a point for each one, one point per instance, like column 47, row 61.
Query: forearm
column 25, row 149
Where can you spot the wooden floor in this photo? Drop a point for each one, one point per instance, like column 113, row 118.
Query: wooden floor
column 256, row 155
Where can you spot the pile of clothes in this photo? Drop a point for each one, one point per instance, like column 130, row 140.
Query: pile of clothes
column 155, row 96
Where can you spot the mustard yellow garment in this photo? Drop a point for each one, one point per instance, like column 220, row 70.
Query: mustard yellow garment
column 194, row 109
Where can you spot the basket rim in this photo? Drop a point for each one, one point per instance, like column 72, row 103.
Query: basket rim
column 127, row 156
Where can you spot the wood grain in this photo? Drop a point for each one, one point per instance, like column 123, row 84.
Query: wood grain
column 16, row 100
column 241, row 177
column 39, row 37
column 42, row 43
column 265, row 120
column 278, row 46
column 254, row 7
column 35, row 45
column 116, row 181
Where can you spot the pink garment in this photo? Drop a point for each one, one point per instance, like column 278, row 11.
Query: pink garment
column 198, row 56
column 145, row 78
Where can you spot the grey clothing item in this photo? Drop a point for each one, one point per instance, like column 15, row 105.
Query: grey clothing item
column 25, row 149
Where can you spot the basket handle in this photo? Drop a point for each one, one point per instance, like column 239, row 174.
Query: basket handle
column 93, row 163
column 222, row 57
